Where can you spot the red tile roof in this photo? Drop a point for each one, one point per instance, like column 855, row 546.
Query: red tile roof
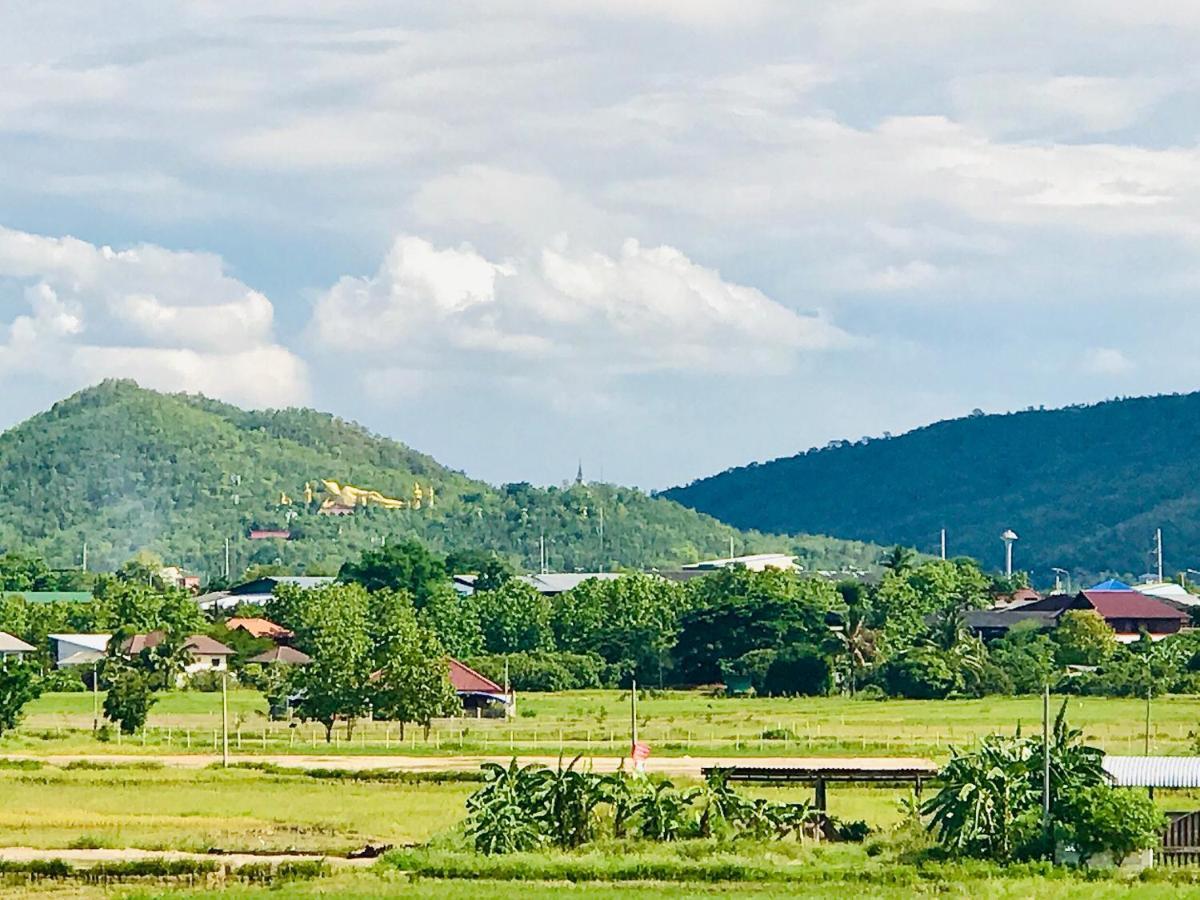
column 1131, row 605
column 465, row 679
column 258, row 627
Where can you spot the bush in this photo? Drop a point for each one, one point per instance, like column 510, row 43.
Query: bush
column 544, row 671
column 922, row 673
column 128, row 700
column 799, row 670
column 207, row 682
column 1105, row 819
column 62, row 681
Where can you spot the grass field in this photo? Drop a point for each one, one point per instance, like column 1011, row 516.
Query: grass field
column 673, row 722
column 252, row 810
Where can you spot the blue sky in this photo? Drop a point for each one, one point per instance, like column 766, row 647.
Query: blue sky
column 663, row 236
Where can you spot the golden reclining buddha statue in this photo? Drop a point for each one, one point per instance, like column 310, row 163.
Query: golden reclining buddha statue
column 348, row 496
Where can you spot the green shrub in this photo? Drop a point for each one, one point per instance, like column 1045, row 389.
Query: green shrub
column 544, row 671
column 62, row 681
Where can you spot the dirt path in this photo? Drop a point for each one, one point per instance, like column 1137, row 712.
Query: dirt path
column 129, row 854
column 685, row 766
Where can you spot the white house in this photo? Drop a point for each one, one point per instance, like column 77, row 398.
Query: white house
column 78, row 649
column 13, row 647
column 756, row 562
column 205, row 654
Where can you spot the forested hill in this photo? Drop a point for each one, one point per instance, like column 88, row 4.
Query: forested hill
column 1083, row 487
column 127, row 469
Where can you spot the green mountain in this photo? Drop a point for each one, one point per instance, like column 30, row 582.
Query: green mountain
column 1084, row 487
column 125, row 469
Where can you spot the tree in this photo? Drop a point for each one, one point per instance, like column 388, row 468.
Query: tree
column 18, row 685
column 488, row 567
column 898, row 559
column 128, row 700
column 1083, row 638
column 406, row 566
column 921, row 673
column 411, row 682
column 735, row 611
column 907, row 598
column 857, row 648
column 631, row 622
column 799, row 670
column 332, row 628
column 455, row 621
column 514, row 618
column 1026, row 656
column 145, row 608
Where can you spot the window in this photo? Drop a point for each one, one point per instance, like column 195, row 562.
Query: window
column 216, row 662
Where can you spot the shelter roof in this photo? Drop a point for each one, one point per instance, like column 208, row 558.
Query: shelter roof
column 1153, row 771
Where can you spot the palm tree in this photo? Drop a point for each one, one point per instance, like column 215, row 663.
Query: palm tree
column 899, row 559
column 859, row 646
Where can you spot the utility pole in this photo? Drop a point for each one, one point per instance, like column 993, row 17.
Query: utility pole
column 1158, row 551
column 943, row 543
column 731, row 548
column 225, row 719
column 95, row 696
column 1046, row 758
column 542, row 545
column 633, row 719
column 84, row 566
column 602, row 534
column 226, row 560
column 1148, row 685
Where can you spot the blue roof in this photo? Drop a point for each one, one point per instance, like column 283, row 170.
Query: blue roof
column 1111, row 585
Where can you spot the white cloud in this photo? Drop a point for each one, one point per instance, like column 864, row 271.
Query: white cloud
column 1021, row 103
column 643, row 310
column 1105, row 361
column 173, row 320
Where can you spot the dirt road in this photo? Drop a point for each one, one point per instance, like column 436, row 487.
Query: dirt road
column 129, row 854
column 679, row 766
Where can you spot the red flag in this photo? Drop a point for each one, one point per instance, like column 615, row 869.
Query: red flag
column 641, row 751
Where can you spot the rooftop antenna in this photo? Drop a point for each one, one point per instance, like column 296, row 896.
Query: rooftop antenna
column 1009, row 537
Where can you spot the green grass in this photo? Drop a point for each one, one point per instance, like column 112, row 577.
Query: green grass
column 235, row 810
column 674, row 723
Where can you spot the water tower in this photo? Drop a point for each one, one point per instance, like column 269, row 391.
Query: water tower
column 1009, row 537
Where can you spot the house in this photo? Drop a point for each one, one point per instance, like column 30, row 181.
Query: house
column 206, row 654
column 549, row 584
column 1128, row 612
column 78, row 649
column 282, row 655
column 259, row 628
column 1170, row 592
column 990, row 624
column 756, row 562
column 478, row 692
column 259, row 591
column 13, row 648
column 173, row 576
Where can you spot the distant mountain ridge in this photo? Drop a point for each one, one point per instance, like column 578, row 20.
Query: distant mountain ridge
column 124, row 469
column 1084, row 487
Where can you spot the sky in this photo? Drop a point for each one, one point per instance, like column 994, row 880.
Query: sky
column 658, row 237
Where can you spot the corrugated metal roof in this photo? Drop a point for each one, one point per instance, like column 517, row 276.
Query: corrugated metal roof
column 1154, row 771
